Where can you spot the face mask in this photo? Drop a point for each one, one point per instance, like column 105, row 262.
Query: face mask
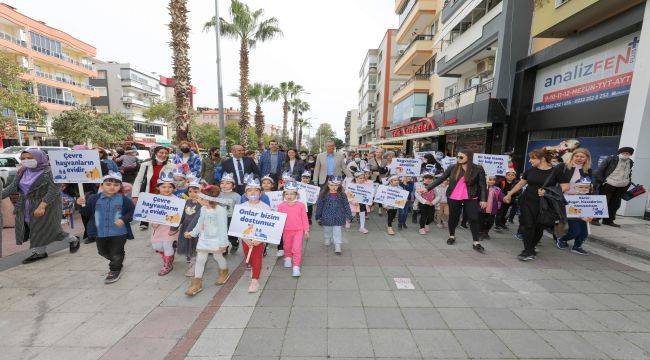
column 185, row 150
column 303, row 157
column 253, row 197
column 226, row 190
column 160, row 159
column 357, row 159
column 29, row 163
column 621, row 156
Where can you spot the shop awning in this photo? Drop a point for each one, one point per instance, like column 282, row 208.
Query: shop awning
column 163, row 141
column 440, row 131
column 147, row 144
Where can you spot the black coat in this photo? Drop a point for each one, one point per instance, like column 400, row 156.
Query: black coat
column 228, row 166
column 475, row 180
column 298, row 168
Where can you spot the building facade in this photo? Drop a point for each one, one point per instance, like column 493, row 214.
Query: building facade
column 57, row 64
column 211, row 116
column 351, row 135
column 367, row 98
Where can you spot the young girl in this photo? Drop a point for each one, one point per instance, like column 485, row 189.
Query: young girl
column 442, row 208
column 487, row 215
column 229, row 198
column 355, row 207
column 295, row 227
column 212, row 231
column 508, row 183
column 253, row 195
column 426, row 201
column 180, row 182
column 332, row 210
column 187, row 246
column 305, row 178
column 406, row 183
column 162, row 236
column 391, row 212
column 268, row 184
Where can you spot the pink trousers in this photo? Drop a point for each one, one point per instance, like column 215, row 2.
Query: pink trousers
column 293, row 245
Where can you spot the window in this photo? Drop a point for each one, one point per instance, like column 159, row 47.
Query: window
column 450, row 91
column 8, row 162
column 102, row 90
column 45, row 45
column 414, row 106
column 101, row 74
column 559, row 3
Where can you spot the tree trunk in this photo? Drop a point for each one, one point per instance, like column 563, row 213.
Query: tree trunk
column 259, row 127
column 243, row 91
column 299, row 139
column 285, row 120
column 181, row 65
column 295, row 127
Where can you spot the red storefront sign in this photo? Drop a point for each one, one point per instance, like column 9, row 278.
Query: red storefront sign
column 415, row 127
column 450, row 121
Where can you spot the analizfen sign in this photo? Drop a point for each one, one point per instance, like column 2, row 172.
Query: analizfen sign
column 600, row 73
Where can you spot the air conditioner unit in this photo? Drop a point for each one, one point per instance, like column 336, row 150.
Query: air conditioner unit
column 485, row 66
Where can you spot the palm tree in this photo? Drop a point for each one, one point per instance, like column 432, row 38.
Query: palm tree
column 249, row 28
column 298, row 107
column 288, row 89
column 261, row 93
column 181, row 64
column 302, row 122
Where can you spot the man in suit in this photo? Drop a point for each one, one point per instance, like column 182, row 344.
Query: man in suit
column 271, row 161
column 239, row 165
column 329, row 163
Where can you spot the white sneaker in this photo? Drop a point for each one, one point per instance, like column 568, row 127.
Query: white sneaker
column 327, row 242
column 280, row 253
column 337, row 249
column 363, row 230
column 287, row 262
column 296, row 271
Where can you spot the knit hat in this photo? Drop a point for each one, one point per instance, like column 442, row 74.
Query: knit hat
column 626, row 149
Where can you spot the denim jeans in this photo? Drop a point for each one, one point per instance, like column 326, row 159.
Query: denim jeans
column 578, row 231
column 332, row 233
column 402, row 214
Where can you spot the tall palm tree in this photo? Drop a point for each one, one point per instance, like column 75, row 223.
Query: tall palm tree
column 298, row 107
column 181, row 64
column 261, row 93
column 288, row 89
column 249, row 28
column 302, row 123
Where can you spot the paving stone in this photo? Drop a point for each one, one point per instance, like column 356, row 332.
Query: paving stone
column 126, row 348
column 412, row 298
column 276, row 298
column 342, row 298
column 641, row 340
column 570, row 345
column 260, row 342
column 308, row 317
column 298, row 342
column 393, row 343
column 526, row 344
column 642, row 300
column 214, row 342
column 317, row 298
column 439, row 344
column 340, row 271
column 425, row 319
column 231, row 317
column 342, row 283
column 353, row 343
column 615, row 302
column 384, row 318
column 311, row 283
column 373, row 283
column 613, row 345
column 285, row 282
column 500, row 319
column 482, row 344
column 581, row 302
column 166, row 323
column 269, row 317
column 368, row 271
column 615, row 321
column 446, row 298
column 540, row 319
column 346, row 317
column 378, row 298
column 461, row 318
column 578, row 320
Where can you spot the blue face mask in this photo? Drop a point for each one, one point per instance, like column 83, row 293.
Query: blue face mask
column 253, row 197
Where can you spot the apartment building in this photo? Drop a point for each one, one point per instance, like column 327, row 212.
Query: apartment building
column 127, row 89
column 351, row 121
column 57, row 64
column 367, row 97
column 211, row 116
column 584, row 81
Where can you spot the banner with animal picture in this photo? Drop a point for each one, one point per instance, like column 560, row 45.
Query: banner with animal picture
column 586, row 206
column 312, row 192
column 276, row 198
column 257, row 224
column 447, row 161
column 494, row 165
column 405, row 167
column 420, row 155
column 391, row 196
column 157, row 209
column 76, row 166
column 360, row 193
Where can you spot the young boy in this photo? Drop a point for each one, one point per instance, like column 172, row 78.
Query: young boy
column 110, row 215
column 305, row 178
column 229, row 198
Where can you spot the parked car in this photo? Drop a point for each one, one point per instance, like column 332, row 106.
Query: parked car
column 8, row 168
column 15, row 151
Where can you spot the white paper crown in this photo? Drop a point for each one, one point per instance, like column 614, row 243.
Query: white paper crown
column 268, row 177
column 335, row 180
column 208, row 197
column 193, row 181
column 291, row 185
column 165, row 177
column 113, row 175
column 228, row 177
column 306, row 173
column 251, row 181
column 179, row 172
column 287, row 176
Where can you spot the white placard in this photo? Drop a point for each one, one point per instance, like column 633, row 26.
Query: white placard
column 275, row 198
column 393, row 196
column 257, row 224
column 76, row 166
column 158, row 209
column 360, row 193
column 312, row 192
column 405, row 167
column 586, row 206
column 420, row 155
column 404, row 284
column 448, row 161
column 494, row 165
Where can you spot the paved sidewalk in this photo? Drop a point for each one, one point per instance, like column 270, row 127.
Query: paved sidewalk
column 633, row 237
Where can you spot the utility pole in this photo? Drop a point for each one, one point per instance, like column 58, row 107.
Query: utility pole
column 222, row 116
column 20, row 135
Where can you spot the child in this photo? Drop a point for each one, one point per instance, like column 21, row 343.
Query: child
column 426, row 200
column 295, row 227
column 253, row 195
column 391, row 212
column 229, row 198
column 506, row 185
column 442, row 208
column 494, row 201
column 332, row 210
column 268, row 184
column 110, row 215
column 286, row 177
column 162, row 236
column 361, row 209
column 191, row 213
column 305, row 178
column 180, row 182
column 212, row 230
column 406, row 183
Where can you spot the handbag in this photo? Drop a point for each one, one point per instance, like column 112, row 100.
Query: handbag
column 552, row 204
column 634, row 191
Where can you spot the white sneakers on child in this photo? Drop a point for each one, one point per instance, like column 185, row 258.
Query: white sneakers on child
column 296, row 271
column 337, row 249
column 287, row 262
column 280, row 253
column 363, row 230
column 254, row 286
column 327, row 242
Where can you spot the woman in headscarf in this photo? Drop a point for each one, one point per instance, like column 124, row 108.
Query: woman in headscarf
column 38, row 208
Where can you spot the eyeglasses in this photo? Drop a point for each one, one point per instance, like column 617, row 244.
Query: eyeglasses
column 460, row 157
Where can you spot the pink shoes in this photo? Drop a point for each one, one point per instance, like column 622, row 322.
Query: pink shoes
column 254, row 286
column 423, row 232
column 167, row 265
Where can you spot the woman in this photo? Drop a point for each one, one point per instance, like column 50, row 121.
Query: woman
column 578, row 172
column 467, row 191
column 540, row 175
column 355, row 164
column 147, row 178
column 293, row 164
column 309, row 165
column 108, row 165
column 38, row 208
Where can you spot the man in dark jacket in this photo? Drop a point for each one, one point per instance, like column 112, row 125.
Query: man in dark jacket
column 613, row 178
column 239, row 165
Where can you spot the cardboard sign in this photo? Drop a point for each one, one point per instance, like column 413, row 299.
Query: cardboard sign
column 157, row 209
column 494, row 165
column 393, row 196
column 586, row 206
column 405, row 167
column 448, row 161
column 257, row 224
column 312, row 192
column 360, row 193
column 420, row 154
column 76, row 166
column 275, row 198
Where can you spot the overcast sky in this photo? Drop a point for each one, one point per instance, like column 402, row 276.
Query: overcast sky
column 323, row 46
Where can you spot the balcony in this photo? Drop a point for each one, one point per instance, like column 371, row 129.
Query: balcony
column 421, row 15
column 139, row 85
column 399, row 5
column 134, row 101
column 12, row 39
column 415, row 55
column 420, row 83
column 79, row 85
column 466, row 97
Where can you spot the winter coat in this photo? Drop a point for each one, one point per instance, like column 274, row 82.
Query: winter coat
column 127, row 214
column 333, row 212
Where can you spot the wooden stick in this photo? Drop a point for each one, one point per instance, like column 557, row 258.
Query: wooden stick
column 80, row 187
column 248, row 256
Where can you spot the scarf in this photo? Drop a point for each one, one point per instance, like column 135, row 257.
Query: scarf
column 29, row 176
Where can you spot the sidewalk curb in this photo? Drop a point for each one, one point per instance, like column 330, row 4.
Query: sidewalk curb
column 630, row 250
